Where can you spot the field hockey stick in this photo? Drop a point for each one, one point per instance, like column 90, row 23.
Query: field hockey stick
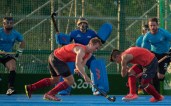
column 61, row 38
column 163, row 58
column 112, row 99
column 159, row 61
column 54, row 22
column 7, row 52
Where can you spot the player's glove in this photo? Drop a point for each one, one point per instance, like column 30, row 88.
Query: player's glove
column 19, row 52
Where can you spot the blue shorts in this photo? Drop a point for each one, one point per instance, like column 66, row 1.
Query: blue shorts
column 150, row 70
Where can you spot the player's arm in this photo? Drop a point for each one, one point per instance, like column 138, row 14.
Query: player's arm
column 20, row 49
column 22, row 45
column 167, row 35
column 125, row 60
column 20, row 39
column 79, row 62
column 138, row 42
column 86, row 59
column 83, row 63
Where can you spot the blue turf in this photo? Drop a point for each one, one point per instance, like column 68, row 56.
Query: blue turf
column 78, row 100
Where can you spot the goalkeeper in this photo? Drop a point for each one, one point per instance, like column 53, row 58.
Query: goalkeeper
column 8, row 36
column 83, row 35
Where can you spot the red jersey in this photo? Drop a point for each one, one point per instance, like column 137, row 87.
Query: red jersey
column 141, row 56
column 67, row 54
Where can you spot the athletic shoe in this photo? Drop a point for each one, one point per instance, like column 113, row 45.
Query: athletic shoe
column 156, row 100
column 130, row 97
column 28, row 90
column 51, row 97
column 140, row 91
column 10, row 91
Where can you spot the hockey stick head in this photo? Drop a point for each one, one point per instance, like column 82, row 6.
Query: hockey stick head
column 54, row 14
column 112, row 99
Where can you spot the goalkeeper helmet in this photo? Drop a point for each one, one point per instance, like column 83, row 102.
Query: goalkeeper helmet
column 82, row 20
column 82, row 24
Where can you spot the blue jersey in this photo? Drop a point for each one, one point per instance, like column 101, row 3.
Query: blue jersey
column 7, row 40
column 82, row 38
column 139, row 40
column 160, row 42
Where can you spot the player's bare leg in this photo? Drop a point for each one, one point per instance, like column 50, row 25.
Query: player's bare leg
column 11, row 66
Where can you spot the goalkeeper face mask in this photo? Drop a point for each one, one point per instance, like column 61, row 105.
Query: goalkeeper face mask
column 82, row 24
column 83, row 27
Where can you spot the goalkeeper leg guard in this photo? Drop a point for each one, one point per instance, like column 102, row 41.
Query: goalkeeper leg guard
column 99, row 75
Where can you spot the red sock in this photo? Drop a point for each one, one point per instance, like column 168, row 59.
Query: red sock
column 59, row 87
column 40, row 84
column 132, row 84
column 152, row 91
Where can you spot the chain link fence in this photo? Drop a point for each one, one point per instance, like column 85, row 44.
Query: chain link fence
column 32, row 19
